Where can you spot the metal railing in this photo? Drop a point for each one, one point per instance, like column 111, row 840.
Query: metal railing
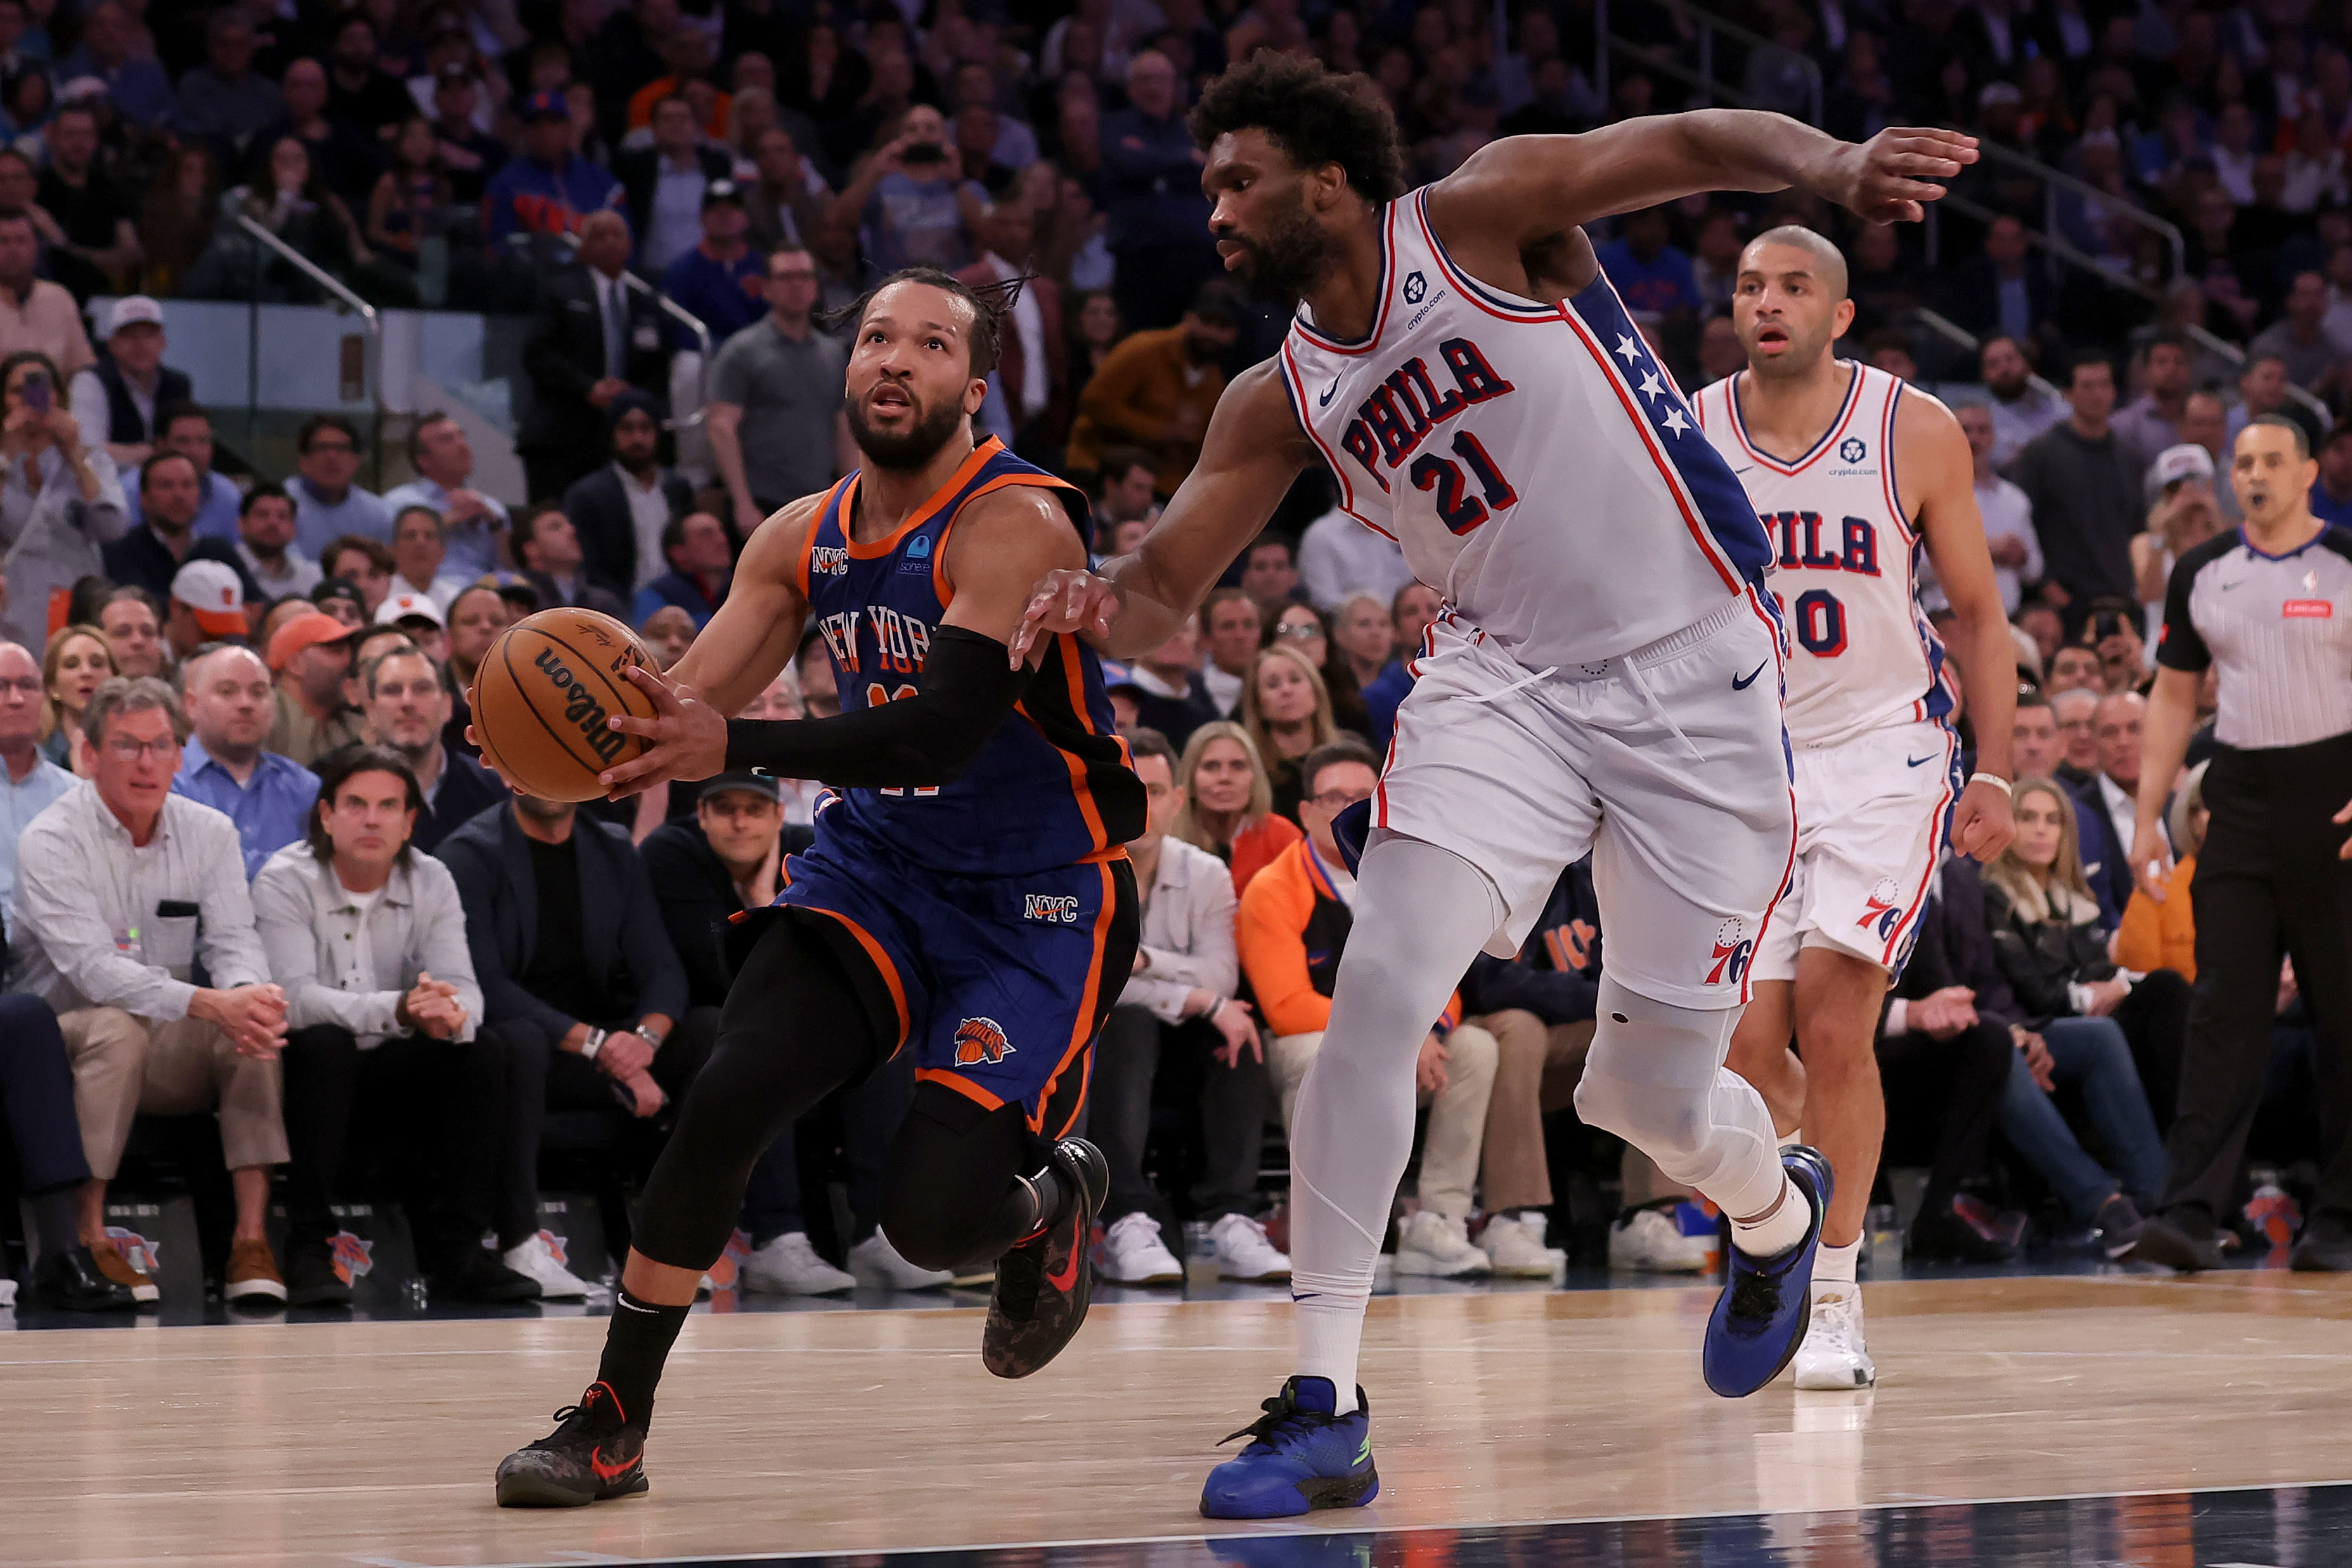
column 2055, row 180
column 2236, row 357
column 342, row 293
column 1702, row 78
column 684, row 318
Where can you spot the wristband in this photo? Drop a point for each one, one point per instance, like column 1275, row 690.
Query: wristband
column 595, row 1043
column 647, row 1036
column 1995, row 780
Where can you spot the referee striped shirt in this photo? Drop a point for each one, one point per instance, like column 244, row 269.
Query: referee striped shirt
column 2280, row 629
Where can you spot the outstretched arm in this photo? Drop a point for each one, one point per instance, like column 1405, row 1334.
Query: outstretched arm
column 1253, row 449
column 1530, row 188
column 1000, row 546
column 1932, row 453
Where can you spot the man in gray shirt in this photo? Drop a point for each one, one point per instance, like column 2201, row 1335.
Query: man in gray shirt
column 2084, row 488
column 777, row 429
column 122, row 888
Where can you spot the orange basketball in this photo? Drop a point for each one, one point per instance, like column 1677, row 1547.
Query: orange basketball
column 543, row 694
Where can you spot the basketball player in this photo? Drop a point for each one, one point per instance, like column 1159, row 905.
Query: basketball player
column 966, row 897
column 1606, row 675
column 1852, row 473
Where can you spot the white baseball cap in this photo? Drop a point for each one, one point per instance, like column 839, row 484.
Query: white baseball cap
column 132, row 309
column 399, row 607
column 2174, row 464
column 213, row 594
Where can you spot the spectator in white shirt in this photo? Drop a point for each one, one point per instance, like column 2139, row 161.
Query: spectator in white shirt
column 1180, row 1001
column 472, row 522
column 265, row 542
column 122, row 888
column 1339, row 558
column 2008, row 516
column 327, row 504
column 384, row 1009
column 420, row 559
column 2116, row 726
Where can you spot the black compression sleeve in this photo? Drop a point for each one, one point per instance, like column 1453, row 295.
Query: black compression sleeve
column 969, row 688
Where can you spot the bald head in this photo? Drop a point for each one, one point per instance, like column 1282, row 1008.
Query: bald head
column 1824, row 261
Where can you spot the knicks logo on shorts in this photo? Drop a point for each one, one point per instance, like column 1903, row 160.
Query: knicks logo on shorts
column 1050, row 908
column 1732, row 951
column 981, row 1042
column 1882, row 909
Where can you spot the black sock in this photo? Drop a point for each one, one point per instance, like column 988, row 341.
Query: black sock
column 637, row 1344
column 55, row 1212
column 1031, row 1203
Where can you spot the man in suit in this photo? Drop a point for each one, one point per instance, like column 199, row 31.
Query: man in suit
column 1033, row 370
column 593, row 341
column 548, row 546
column 573, row 958
column 665, row 183
column 622, row 508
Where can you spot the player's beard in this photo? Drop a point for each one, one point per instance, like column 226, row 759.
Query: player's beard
column 1801, row 358
column 1281, row 265
column 907, row 450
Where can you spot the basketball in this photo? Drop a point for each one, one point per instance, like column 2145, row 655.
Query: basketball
column 543, row 694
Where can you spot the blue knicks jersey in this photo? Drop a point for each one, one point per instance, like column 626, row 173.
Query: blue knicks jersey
column 1052, row 787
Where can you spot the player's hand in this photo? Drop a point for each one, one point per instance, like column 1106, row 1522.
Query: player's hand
column 687, row 738
column 2152, row 857
column 1891, row 177
column 1066, row 601
column 1981, row 823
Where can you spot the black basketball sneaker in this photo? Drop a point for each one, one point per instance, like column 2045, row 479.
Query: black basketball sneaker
column 596, row 1453
column 1043, row 1283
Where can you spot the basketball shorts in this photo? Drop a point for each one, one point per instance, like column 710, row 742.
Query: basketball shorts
column 1668, row 764
column 997, row 984
column 1871, row 813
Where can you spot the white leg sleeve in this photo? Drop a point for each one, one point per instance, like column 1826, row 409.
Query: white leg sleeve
column 1655, row 1078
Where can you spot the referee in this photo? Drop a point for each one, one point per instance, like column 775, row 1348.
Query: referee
column 2270, row 604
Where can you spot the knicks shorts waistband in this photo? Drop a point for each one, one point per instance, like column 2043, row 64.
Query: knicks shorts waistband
column 1731, row 613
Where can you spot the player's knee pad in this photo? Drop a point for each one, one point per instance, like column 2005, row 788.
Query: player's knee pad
column 1651, row 1074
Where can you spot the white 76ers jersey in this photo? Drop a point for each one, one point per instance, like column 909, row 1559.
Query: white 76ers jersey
column 1845, row 558
column 1535, row 462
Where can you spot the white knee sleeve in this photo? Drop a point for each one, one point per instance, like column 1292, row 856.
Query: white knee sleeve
column 1655, row 1078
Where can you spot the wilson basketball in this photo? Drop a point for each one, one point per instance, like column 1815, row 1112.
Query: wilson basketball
column 543, row 694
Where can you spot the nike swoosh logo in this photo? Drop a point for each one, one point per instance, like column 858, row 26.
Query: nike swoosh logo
column 1326, row 400
column 1919, row 762
column 606, row 1472
column 2227, row 586
column 1738, row 684
column 1065, row 1278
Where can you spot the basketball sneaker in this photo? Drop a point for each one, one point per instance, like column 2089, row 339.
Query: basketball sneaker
column 1832, row 1356
column 1301, row 1456
column 1132, row 1253
column 1513, row 1244
column 1648, row 1240
column 595, row 1453
column 1437, row 1246
column 1761, row 1317
column 1245, row 1252
column 1043, row 1283
column 873, row 1262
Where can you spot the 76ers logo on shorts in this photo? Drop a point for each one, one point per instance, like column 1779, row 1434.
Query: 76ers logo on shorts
column 1884, row 909
column 1732, row 951
column 981, row 1042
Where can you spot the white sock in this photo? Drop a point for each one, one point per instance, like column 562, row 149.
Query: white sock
column 1833, row 1267
column 1330, row 1330
column 1779, row 1230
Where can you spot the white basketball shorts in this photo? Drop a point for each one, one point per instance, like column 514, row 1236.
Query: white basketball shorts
column 1669, row 764
column 1871, row 813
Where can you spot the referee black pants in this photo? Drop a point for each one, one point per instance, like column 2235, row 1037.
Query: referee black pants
column 2268, row 882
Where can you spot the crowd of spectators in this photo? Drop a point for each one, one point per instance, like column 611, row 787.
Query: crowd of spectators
column 248, row 696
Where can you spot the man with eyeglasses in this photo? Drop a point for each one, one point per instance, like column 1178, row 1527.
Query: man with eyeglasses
column 124, row 889
column 327, row 504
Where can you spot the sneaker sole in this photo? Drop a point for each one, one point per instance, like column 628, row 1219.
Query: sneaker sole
column 1318, row 1493
column 1425, row 1268
column 1821, row 1383
column 524, row 1490
column 253, row 1289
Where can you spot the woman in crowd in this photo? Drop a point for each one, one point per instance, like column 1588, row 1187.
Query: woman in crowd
column 59, row 501
column 78, row 658
column 477, row 616
column 1229, row 801
column 2164, row 935
column 1302, row 626
column 2044, row 925
column 410, row 197
column 1287, row 709
column 286, row 197
column 1094, row 329
column 1365, row 636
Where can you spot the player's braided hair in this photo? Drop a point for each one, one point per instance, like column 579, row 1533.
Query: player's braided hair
column 990, row 304
column 1315, row 115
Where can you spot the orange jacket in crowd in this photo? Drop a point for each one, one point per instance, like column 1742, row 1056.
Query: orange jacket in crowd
column 2161, row 936
column 1291, row 930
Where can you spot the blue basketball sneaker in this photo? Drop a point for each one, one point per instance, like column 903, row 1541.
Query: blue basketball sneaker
column 1301, row 1457
column 1760, row 1320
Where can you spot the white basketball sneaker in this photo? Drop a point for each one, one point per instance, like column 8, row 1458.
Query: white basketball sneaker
column 1513, row 1244
column 1833, row 1356
column 789, row 1266
column 1649, row 1240
column 873, row 1262
column 1438, row 1247
column 1243, row 1252
column 537, row 1260
column 1133, row 1254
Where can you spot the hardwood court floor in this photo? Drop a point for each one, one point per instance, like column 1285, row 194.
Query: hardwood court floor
column 842, row 1432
